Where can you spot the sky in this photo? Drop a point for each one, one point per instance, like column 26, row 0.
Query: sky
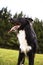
column 31, row 8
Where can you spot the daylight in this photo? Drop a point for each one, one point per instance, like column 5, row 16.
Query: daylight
column 21, row 32
column 31, row 8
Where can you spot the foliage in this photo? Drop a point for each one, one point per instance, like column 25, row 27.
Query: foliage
column 10, row 40
column 5, row 25
column 20, row 15
column 38, row 27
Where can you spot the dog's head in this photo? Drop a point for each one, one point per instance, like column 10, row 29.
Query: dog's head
column 20, row 23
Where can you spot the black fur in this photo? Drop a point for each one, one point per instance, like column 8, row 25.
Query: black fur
column 30, row 37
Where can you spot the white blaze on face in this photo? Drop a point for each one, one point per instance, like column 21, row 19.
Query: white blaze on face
column 23, row 42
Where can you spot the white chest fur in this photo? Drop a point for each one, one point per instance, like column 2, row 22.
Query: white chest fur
column 23, row 42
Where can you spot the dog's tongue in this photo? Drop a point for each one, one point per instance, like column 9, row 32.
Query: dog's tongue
column 14, row 28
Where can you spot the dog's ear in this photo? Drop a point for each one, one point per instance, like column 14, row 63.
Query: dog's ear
column 29, row 19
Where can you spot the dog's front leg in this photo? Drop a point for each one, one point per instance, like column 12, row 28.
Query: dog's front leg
column 21, row 58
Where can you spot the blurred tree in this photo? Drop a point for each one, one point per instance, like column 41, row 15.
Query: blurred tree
column 4, row 25
column 10, row 40
column 20, row 15
column 15, row 16
column 38, row 27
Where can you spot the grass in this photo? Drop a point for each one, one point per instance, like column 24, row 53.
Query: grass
column 10, row 57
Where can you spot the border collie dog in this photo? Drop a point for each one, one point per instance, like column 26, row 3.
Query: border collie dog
column 27, row 39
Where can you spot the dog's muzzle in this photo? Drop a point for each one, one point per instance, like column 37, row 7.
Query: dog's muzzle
column 14, row 28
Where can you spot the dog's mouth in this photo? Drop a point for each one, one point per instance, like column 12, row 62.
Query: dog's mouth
column 14, row 28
